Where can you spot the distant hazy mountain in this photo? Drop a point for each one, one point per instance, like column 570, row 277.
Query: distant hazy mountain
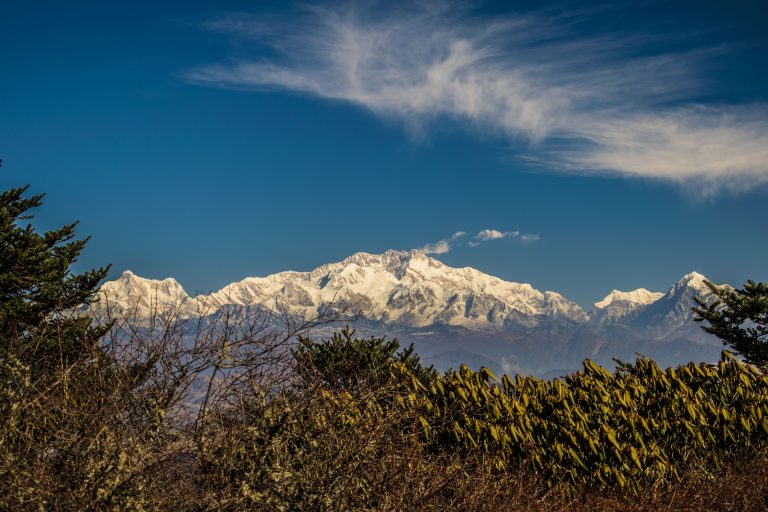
column 454, row 314
column 671, row 314
column 617, row 306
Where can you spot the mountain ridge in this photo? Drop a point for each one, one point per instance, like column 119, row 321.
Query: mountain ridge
column 409, row 289
column 453, row 313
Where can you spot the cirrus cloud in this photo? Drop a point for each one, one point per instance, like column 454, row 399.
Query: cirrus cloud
column 576, row 104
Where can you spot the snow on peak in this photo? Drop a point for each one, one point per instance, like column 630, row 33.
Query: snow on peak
column 692, row 280
column 397, row 263
column 406, row 288
column 618, row 305
column 641, row 296
column 142, row 296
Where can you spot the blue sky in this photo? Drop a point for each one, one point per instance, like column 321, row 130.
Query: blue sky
column 578, row 147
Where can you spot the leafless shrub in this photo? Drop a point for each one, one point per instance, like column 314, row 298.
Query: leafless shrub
column 124, row 427
column 197, row 412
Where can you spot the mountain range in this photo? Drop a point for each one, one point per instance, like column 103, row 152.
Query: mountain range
column 454, row 315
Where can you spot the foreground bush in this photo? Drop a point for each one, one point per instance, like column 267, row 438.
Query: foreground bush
column 227, row 413
column 66, row 439
column 404, row 443
column 638, row 425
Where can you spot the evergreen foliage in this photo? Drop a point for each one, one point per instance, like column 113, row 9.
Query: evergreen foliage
column 366, row 426
column 345, row 362
column 624, row 429
column 64, row 444
column 739, row 318
column 38, row 290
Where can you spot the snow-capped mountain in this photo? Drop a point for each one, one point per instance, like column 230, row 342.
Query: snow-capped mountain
column 618, row 305
column 453, row 313
column 131, row 294
column 410, row 289
column 405, row 289
column 671, row 314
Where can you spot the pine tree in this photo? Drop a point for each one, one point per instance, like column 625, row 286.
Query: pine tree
column 346, row 362
column 739, row 318
column 75, row 427
column 39, row 292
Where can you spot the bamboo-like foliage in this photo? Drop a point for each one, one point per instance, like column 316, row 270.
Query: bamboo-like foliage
column 638, row 425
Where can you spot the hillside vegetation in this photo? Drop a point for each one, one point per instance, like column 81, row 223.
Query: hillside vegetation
column 245, row 411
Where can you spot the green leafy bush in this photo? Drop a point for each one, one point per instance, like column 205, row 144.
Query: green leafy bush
column 739, row 318
column 637, row 425
column 347, row 362
column 109, row 417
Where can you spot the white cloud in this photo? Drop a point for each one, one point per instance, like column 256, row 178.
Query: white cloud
column 490, row 234
column 485, row 235
column 443, row 246
column 494, row 234
column 579, row 105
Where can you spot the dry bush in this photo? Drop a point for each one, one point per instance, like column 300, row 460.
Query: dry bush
column 123, row 427
column 310, row 449
column 211, row 414
column 70, row 440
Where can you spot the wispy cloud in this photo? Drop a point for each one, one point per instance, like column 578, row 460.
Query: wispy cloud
column 576, row 104
column 443, row 246
column 527, row 239
column 459, row 238
column 494, row 234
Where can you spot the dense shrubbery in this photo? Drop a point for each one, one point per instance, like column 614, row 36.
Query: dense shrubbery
column 638, row 425
column 345, row 362
column 230, row 414
column 419, row 443
column 63, row 444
